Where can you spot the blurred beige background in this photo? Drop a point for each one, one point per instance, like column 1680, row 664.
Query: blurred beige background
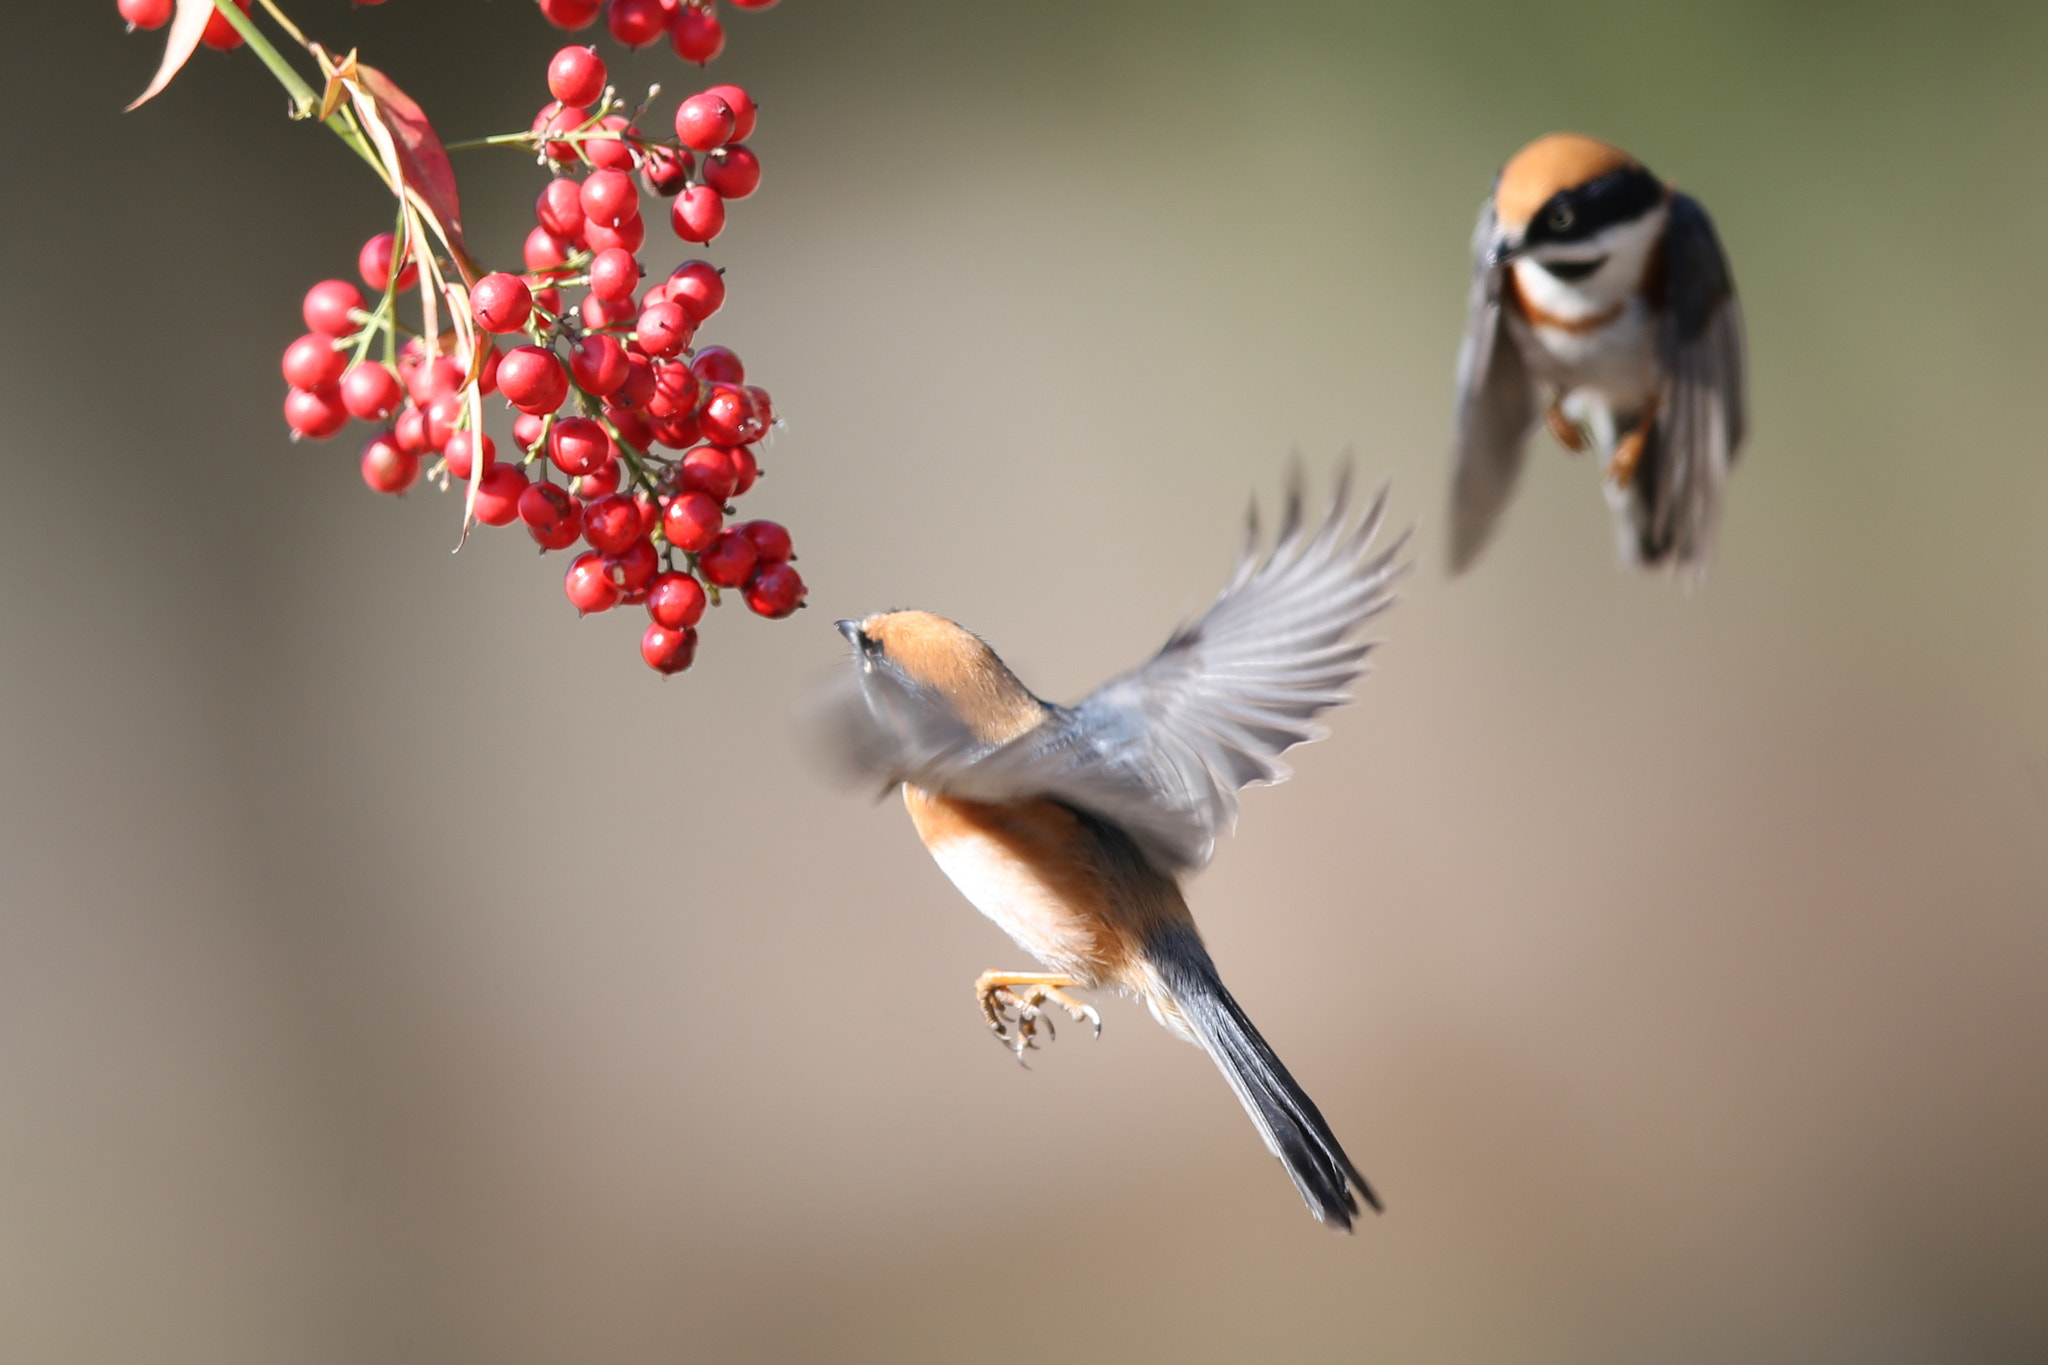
column 391, row 969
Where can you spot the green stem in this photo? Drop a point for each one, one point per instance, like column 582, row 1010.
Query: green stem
column 305, row 103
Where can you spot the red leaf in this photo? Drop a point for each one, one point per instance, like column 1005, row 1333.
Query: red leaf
column 179, row 45
column 420, row 154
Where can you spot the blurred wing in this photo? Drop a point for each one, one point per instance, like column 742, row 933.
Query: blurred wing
column 1163, row 750
column 1496, row 404
column 874, row 728
column 1703, row 414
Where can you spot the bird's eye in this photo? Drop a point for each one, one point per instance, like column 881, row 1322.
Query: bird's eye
column 1560, row 218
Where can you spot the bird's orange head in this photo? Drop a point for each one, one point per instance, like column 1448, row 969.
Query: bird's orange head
column 951, row 663
column 1551, row 164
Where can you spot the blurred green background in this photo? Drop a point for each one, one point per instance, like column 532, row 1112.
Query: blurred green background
column 392, row 969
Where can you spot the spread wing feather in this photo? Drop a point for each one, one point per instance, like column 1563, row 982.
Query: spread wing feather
column 1496, row 406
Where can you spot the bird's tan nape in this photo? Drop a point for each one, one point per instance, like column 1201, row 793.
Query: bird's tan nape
column 956, row 662
column 1557, row 161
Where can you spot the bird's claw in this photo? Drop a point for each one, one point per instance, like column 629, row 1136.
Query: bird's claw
column 1015, row 1015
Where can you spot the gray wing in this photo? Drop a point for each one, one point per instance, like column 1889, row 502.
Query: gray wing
column 1703, row 414
column 1496, row 405
column 1162, row 751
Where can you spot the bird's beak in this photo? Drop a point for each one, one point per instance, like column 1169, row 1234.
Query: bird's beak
column 1504, row 251
column 851, row 630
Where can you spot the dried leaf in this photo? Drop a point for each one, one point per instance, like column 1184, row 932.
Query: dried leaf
column 179, row 45
column 420, row 155
column 336, row 92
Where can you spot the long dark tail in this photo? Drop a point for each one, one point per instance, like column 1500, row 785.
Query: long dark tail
column 1287, row 1118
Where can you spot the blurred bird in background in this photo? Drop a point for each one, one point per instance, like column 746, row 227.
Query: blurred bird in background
column 1602, row 293
column 1070, row 827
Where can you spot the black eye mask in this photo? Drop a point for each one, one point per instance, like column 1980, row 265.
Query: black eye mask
column 1577, row 215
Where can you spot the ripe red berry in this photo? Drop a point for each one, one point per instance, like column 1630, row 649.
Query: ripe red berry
column 462, row 449
column 410, row 431
column 487, row 377
column 442, row 415
column 691, row 521
column 704, row 121
column 588, row 588
column 745, row 467
column 146, row 14
column 728, row 561
column 313, row 361
column 708, row 470
column 527, row 429
column 577, row 76
column 570, row 14
column 636, row 23
column 560, row 210
column 696, row 34
column 775, row 591
column 698, row 288
column 544, row 251
column 614, row 274
column 317, row 413
column 552, row 517
column 666, row 651
column 556, row 117
column 771, row 540
column 667, row 169
column 611, row 523
column 219, row 34
column 632, row 568
column 546, row 302
column 501, row 302
column 718, row 365
column 675, row 390
column 753, row 4
column 578, row 445
column 764, row 406
column 609, row 197
column 599, row 314
column 743, row 109
column 631, row 427
column 734, row 171
column 439, row 377
column 498, row 493
column 697, row 214
column 600, row 482
column 371, row 391
column 677, row 432
column 627, row 236
column 328, row 306
column 388, row 469
column 612, row 153
column 675, row 600
column 599, row 364
column 532, row 380
column 728, row 416
column 663, row 328
column 373, row 263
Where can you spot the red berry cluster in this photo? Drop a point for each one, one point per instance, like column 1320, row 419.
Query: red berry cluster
column 691, row 25
column 604, row 385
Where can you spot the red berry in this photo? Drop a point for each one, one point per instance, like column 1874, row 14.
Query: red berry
column 771, row 540
column 410, row 431
column 691, row 521
column 764, row 406
column 527, row 429
column 532, row 380
column 677, row 432
column 697, row 214
column 437, row 379
column 698, row 288
column 578, row 445
column 560, row 211
column 774, row 591
column 743, row 109
column 609, row 197
column 487, row 378
column 312, row 361
column 373, row 263
column 626, row 236
column 745, row 467
column 552, row 517
column 600, row 482
column 614, row 274
column 704, row 121
column 611, row 523
column 570, row 14
column 146, row 14
column 498, row 493
column 632, row 568
column 718, row 365
column 729, row 418
column 547, row 302
column 675, row 389
column 599, row 314
column 588, row 588
column 556, row 117
column 612, row 153
column 708, row 470
column 666, row 651
column 544, row 251
column 667, row 169
column 734, row 171
column 387, row 468
column 328, row 305
column 753, row 4
column 371, row 391
column 599, row 364
column 636, row 23
column 442, row 415
column 219, row 34
column 462, row 448
column 577, row 76
column 501, row 302
column 696, row 34
column 728, row 561
column 663, row 328
column 675, row 600
column 631, row 426
column 317, row 413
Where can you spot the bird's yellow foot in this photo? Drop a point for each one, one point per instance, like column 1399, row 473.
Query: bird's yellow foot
column 1011, row 1002
column 1569, row 434
column 1628, row 451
